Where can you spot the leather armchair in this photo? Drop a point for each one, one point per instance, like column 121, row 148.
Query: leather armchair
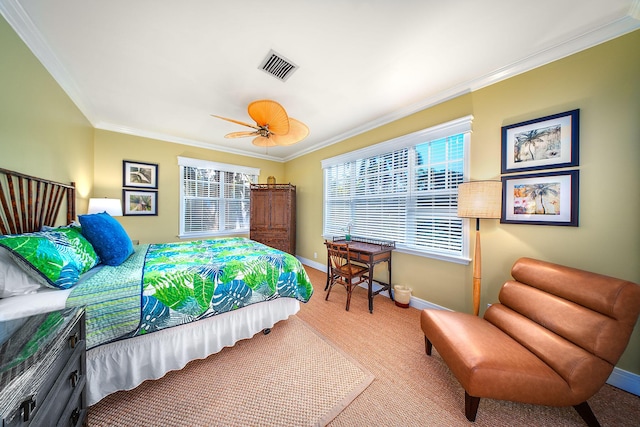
column 553, row 339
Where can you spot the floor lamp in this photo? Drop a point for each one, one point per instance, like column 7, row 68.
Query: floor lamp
column 479, row 199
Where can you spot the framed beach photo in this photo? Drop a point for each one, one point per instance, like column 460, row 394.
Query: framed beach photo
column 138, row 202
column 544, row 143
column 543, row 199
column 140, row 175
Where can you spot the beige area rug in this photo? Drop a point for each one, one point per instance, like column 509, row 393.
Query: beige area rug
column 413, row 389
column 290, row 377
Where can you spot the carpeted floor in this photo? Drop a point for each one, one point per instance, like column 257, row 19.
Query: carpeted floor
column 291, row 377
column 412, row 389
column 409, row 388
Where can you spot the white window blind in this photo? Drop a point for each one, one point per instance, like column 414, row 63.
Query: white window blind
column 214, row 197
column 403, row 190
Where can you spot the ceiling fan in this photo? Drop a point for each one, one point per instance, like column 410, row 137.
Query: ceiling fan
column 273, row 125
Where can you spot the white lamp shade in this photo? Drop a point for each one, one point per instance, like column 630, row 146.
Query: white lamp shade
column 111, row 206
column 480, row 199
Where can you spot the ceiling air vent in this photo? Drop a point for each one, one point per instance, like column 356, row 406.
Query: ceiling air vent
column 278, row 66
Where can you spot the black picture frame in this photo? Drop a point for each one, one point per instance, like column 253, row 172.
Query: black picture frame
column 549, row 198
column 139, row 174
column 545, row 143
column 139, row 202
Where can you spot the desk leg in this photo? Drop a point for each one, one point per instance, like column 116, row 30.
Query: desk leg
column 389, row 264
column 370, row 289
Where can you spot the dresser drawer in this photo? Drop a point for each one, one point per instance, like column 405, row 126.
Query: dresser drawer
column 47, row 381
column 75, row 413
column 70, row 379
column 274, row 242
column 278, row 239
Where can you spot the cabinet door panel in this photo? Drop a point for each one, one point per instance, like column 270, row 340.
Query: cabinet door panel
column 280, row 209
column 260, row 214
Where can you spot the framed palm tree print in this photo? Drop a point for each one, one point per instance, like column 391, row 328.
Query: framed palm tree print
column 138, row 174
column 138, row 202
column 544, row 143
column 549, row 198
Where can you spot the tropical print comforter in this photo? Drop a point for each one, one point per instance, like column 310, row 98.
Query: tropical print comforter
column 183, row 282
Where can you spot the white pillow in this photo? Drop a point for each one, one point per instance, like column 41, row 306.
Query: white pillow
column 13, row 279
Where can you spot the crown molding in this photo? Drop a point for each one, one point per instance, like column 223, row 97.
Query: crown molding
column 183, row 141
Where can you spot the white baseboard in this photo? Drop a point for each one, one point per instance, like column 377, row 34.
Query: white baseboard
column 624, row 380
column 313, row 264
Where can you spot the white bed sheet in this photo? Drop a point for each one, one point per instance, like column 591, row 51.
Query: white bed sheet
column 43, row 301
column 123, row 365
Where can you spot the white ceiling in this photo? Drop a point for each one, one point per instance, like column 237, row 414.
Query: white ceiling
column 160, row 68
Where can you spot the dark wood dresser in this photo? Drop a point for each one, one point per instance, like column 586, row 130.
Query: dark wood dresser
column 273, row 216
column 43, row 370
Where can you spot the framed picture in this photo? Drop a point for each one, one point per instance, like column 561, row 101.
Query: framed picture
column 544, row 143
column 138, row 202
column 142, row 175
column 544, row 199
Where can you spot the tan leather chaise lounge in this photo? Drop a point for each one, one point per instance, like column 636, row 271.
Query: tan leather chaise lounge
column 553, row 339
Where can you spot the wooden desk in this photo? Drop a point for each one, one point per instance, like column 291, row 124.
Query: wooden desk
column 368, row 252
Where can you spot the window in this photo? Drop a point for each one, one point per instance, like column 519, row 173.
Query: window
column 214, row 197
column 404, row 190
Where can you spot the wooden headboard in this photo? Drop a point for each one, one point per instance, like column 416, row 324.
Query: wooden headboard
column 28, row 203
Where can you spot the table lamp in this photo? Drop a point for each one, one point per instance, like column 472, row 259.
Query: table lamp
column 479, row 199
column 111, row 206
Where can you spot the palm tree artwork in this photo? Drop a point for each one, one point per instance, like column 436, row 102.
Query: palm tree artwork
column 140, row 203
column 140, row 175
column 537, row 199
column 537, row 144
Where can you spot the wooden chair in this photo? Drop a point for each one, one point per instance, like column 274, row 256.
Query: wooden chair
column 342, row 271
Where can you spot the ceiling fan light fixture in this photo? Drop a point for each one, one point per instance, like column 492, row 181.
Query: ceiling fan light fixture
column 273, row 125
column 261, row 141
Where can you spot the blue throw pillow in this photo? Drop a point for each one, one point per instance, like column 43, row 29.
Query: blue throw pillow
column 108, row 237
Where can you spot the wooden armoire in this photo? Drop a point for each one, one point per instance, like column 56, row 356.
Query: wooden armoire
column 273, row 216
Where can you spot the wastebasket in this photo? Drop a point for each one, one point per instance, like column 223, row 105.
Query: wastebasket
column 402, row 295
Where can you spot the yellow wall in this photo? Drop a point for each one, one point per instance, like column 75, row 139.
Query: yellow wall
column 42, row 133
column 112, row 148
column 603, row 82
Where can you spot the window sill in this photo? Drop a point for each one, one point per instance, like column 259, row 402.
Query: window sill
column 440, row 257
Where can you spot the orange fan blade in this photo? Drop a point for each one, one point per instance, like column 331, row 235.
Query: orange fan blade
column 240, row 134
column 262, row 141
column 236, row 121
column 269, row 113
column 297, row 132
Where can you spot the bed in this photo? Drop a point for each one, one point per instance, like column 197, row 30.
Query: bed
column 150, row 308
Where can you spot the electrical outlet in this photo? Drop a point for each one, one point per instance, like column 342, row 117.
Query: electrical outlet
column 315, row 254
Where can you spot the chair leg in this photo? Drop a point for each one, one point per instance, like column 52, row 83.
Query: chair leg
column 427, row 345
column 349, row 289
column 471, row 406
column 584, row 410
column 330, row 280
column 329, row 287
